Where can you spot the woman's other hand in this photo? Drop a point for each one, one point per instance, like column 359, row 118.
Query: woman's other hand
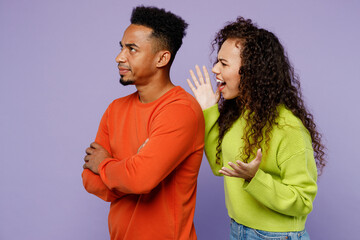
column 243, row 170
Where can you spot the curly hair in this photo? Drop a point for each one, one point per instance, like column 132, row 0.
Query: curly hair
column 267, row 80
column 167, row 27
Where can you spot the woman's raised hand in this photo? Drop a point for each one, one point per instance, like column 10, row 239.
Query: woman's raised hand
column 203, row 90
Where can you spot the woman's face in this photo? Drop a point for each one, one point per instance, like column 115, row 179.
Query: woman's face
column 227, row 68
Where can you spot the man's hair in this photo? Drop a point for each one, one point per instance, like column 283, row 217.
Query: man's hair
column 168, row 28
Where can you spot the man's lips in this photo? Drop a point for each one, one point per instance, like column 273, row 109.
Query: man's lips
column 123, row 71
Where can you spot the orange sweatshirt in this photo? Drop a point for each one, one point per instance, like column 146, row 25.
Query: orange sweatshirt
column 152, row 190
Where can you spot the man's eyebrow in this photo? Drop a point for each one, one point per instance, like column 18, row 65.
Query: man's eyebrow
column 129, row 45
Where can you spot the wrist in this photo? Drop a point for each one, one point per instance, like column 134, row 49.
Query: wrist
column 208, row 105
column 248, row 179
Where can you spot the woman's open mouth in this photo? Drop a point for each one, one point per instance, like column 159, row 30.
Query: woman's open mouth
column 221, row 84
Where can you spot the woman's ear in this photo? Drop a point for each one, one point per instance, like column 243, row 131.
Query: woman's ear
column 163, row 58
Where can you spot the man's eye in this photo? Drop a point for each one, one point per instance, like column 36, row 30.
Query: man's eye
column 132, row 49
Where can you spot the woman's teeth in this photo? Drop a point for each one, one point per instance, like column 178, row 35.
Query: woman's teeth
column 220, row 82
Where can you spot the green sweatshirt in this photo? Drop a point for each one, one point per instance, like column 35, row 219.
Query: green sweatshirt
column 281, row 194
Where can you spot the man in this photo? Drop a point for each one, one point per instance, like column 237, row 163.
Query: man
column 148, row 149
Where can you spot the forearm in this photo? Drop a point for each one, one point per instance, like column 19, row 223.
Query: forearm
column 94, row 185
column 142, row 172
column 291, row 195
column 211, row 139
column 170, row 142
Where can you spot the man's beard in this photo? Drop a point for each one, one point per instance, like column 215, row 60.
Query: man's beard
column 125, row 83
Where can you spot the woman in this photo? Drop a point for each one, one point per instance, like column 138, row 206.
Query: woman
column 258, row 113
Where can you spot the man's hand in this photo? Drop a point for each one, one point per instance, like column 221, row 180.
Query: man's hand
column 95, row 154
column 243, row 170
column 143, row 145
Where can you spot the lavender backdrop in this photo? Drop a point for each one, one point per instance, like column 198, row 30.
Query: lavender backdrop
column 58, row 74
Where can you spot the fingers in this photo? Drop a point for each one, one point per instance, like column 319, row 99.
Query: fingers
column 194, row 78
column 243, row 170
column 191, row 86
column 143, row 145
column 237, row 167
column 87, row 158
column 239, row 170
column 257, row 160
column 199, row 73
column 206, row 74
column 258, row 155
column 227, row 172
column 89, row 150
column 200, row 77
column 95, row 145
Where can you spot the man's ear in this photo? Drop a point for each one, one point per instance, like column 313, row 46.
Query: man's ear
column 163, row 58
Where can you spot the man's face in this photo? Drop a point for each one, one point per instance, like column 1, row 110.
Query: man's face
column 137, row 60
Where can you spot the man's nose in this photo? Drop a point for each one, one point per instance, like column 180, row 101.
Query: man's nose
column 120, row 57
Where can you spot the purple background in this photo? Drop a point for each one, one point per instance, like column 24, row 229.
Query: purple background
column 58, row 74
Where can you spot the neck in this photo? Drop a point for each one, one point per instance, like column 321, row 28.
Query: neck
column 154, row 88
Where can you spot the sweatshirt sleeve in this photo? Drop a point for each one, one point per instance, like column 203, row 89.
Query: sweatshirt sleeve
column 171, row 140
column 294, row 193
column 94, row 185
column 91, row 181
column 211, row 116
